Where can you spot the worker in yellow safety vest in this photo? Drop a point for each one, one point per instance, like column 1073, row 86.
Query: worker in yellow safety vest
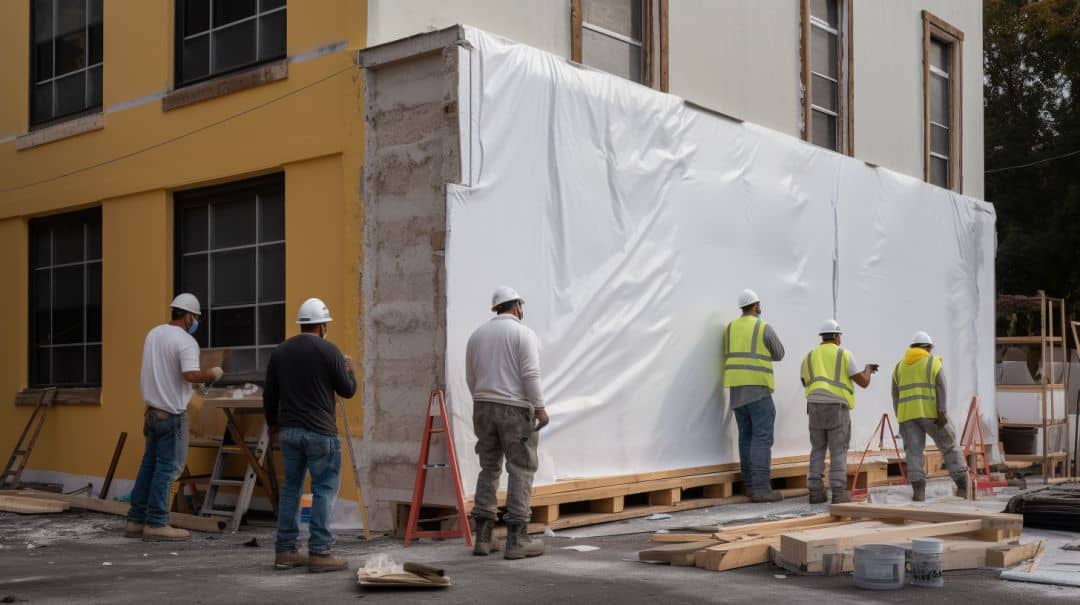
column 829, row 375
column 919, row 400
column 750, row 347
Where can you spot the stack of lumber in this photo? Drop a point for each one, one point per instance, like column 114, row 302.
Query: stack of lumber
column 817, row 543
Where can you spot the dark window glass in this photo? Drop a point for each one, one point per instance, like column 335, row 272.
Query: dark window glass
column 611, row 36
column 231, row 256
column 65, row 299
column 65, row 58
column 620, row 16
column 218, row 36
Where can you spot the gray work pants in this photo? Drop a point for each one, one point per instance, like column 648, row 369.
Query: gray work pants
column 504, row 431
column 914, row 433
column 830, row 431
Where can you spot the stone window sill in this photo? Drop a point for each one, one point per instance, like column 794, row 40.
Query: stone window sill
column 226, row 85
column 72, row 396
column 63, row 130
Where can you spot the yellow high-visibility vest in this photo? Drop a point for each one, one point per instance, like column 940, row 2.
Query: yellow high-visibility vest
column 826, row 369
column 748, row 361
column 917, row 393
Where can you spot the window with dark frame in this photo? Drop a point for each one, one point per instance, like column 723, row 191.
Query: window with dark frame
column 627, row 38
column 230, row 253
column 66, row 59
column 827, row 74
column 214, row 37
column 942, row 109
column 65, row 300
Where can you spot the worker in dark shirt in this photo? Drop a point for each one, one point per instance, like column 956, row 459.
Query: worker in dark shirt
column 299, row 400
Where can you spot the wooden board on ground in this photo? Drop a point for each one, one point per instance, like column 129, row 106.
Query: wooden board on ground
column 679, row 555
column 807, row 547
column 204, row 524
column 741, row 553
column 31, row 506
column 868, row 511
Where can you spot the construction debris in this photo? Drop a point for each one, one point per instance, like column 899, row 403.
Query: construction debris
column 824, row 544
column 203, row 524
column 381, row 571
column 1051, row 507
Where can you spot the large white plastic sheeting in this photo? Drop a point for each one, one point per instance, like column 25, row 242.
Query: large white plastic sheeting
column 630, row 221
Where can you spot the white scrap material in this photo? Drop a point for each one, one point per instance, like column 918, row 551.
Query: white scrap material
column 658, row 517
column 582, row 548
column 105, row 563
column 779, row 576
column 381, row 564
column 1057, row 578
column 548, row 533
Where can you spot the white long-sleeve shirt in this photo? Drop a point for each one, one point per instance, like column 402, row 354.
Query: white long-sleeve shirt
column 502, row 363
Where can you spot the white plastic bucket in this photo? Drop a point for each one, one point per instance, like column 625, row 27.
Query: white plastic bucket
column 926, row 556
column 879, row 566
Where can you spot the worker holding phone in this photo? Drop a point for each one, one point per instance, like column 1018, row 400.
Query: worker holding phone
column 829, row 376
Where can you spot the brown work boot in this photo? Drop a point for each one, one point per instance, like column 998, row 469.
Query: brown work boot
column 919, row 489
column 770, row 496
column 327, row 562
column 165, row 533
column 133, row 530
column 483, row 542
column 817, row 496
column 961, row 486
column 518, row 543
column 289, row 559
column 746, row 491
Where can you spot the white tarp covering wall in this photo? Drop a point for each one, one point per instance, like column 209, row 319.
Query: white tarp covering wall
column 630, row 222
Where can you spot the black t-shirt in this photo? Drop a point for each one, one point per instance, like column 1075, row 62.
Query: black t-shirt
column 304, row 373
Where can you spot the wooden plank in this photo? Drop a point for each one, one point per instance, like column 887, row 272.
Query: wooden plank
column 735, row 554
column 204, row 524
column 1007, row 556
column 719, row 490
column 546, row 514
column 696, row 537
column 869, row 511
column 766, row 532
column 666, row 497
column 778, row 524
column 31, row 506
column 679, row 555
column 803, row 547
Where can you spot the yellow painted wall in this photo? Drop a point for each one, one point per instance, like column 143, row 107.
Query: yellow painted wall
column 309, row 125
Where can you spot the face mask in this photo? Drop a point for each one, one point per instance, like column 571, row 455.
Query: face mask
column 194, row 327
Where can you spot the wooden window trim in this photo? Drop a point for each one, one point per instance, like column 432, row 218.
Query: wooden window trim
column 655, row 65
column 64, row 396
column 846, row 61
column 935, row 28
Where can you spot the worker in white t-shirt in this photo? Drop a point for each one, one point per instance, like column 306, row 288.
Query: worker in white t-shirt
column 170, row 365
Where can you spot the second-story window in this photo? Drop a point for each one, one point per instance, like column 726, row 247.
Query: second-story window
column 942, row 103
column 214, row 37
column 65, row 58
column 627, row 38
column 827, row 73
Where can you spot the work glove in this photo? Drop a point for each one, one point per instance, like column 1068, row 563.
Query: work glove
column 942, row 420
column 216, row 373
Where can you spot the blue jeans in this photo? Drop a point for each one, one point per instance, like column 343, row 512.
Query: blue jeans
column 163, row 460
column 755, row 421
column 302, row 451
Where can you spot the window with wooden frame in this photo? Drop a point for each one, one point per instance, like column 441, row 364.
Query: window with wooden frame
column 65, row 59
column 230, row 253
column 215, row 37
column 827, row 74
column 627, row 38
column 65, row 300
column 942, row 103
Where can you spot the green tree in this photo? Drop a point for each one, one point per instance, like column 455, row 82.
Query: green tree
column 1032, row 116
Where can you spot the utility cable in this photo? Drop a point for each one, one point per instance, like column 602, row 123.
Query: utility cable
column 1036, row 162
column 180, row 136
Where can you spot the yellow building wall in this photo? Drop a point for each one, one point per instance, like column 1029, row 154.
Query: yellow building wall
column 309, row 125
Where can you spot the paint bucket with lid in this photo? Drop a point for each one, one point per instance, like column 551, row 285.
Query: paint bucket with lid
column 926, row 554
column 880, row 566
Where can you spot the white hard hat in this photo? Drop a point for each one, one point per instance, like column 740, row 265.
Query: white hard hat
column 186, row 302
column 921, row 338
column 747, row 298
column 505, row 294
column 313, row 311
column 829, row 326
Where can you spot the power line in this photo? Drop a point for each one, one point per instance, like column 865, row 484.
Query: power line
column 179, row 136
column 1036, row 162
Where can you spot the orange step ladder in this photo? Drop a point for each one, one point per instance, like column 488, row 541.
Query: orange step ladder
column 860, row 493
column 436, row 409
column 974, row 450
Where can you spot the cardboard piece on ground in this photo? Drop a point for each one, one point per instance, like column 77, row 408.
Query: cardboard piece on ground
column 401, row 580
column 31, row 506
